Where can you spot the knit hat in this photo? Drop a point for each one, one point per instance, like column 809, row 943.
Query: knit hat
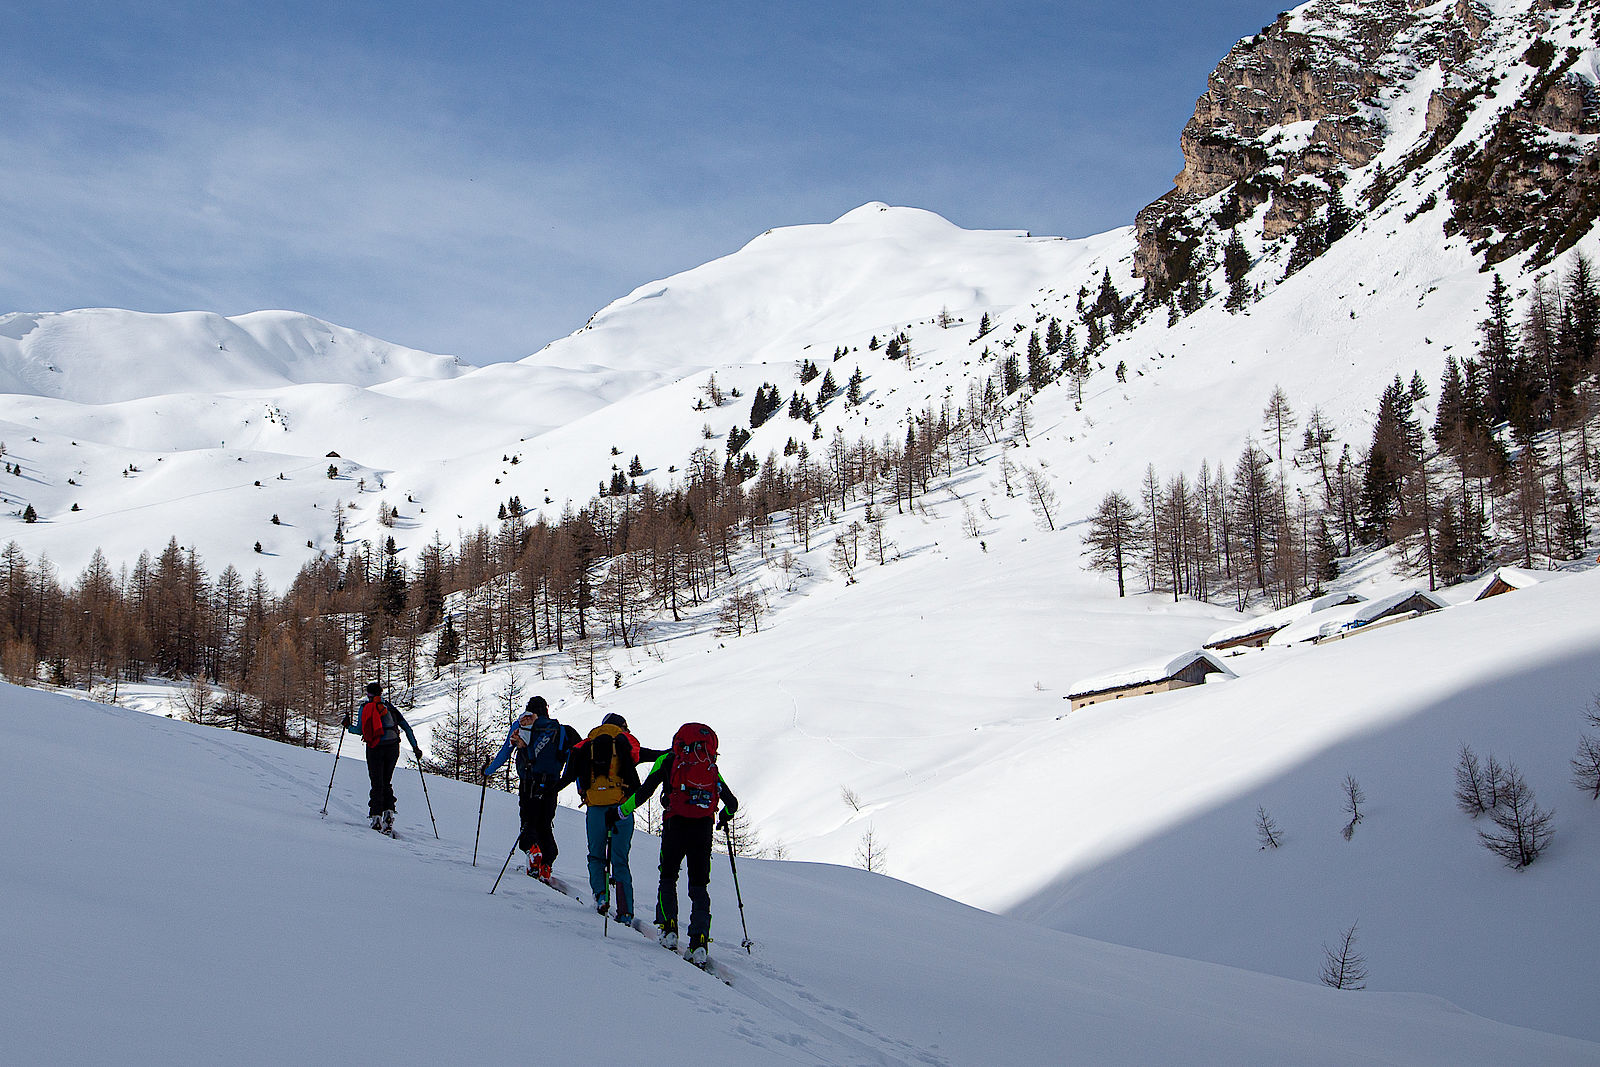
column 614, row 719
column 538, row 707
column 374, row 688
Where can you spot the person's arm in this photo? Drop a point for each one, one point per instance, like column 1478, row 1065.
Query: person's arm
column 501, row 756
column 401, row 719
column 730, row 803
column 650, row 755
column 658, row 774
column 630, row 775
column 574, row 772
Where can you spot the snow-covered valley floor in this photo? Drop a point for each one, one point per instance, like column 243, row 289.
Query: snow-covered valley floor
column 172, row 896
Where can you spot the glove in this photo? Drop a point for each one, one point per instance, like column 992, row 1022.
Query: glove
column 347, row 720
column 724, row 819
column 483, row 772
column 417, row 752
column 613, row 816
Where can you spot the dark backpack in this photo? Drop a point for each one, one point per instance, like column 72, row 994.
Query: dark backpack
column 543, row 753
column 692, row 784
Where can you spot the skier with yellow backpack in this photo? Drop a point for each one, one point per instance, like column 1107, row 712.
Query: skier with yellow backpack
column 604, row 766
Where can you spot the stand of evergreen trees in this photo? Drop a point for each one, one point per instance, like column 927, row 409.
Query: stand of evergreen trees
column 1505, row 473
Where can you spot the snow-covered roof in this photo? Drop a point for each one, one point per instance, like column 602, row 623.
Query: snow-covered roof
column 1147, row 673
column 1277, row 620
column 1350, row 616
column 1512, row 578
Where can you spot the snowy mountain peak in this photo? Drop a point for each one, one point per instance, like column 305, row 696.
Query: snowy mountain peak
column 107, row 355
column 874, row 269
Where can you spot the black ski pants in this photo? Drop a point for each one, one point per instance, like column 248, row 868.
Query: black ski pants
column 381, row 761
column 537, row 803
column 685, row 839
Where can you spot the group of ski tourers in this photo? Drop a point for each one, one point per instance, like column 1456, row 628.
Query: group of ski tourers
column 604, row 766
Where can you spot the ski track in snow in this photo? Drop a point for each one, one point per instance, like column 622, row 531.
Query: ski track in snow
column 833, row 741
column 758, row 980
column 824, row 1032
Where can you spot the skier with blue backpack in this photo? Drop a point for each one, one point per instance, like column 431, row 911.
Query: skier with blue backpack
column 541, row 745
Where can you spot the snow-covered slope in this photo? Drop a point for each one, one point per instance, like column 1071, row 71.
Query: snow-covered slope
column 101, row 356
column 236, row 402
column 934, row 691
column 186, row 904
column 801, row 287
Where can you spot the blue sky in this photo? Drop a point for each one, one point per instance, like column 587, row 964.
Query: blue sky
column 478, row 178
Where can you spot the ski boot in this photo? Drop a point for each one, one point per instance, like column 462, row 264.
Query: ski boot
column 534, row 860
column 388, row 822
column 601, row 904
column 669, row 937
column 376, row 822
column 699, row 951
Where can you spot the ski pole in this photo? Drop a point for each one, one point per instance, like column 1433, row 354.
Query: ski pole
column 480, row 822
column 746, row 943
column 503, row 867
column 428, row 800
column 605, row 915
column 337, row 749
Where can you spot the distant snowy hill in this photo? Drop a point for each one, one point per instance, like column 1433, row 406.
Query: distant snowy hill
column 265, row 398
column 102, row 356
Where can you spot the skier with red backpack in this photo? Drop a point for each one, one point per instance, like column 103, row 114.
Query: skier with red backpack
column 380, row 726
column 693, row 789
column 541, row 744
column 605, row 767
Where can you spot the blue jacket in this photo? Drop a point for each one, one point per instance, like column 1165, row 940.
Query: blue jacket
column 541, row 744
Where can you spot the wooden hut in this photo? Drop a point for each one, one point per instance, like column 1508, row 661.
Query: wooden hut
column 1339, row 623
column 1255, row 633
column 1508, row 579
column 1180, row 672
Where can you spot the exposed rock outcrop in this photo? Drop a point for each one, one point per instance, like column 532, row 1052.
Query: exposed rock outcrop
column 1293, row 112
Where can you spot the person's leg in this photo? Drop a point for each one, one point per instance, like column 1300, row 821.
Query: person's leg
column 595, row 824
column 697, row 853
column 375, row 781
column 544, row 826
column 671, row 860
column 387, row 761
column 528, row 808
column 621, row 845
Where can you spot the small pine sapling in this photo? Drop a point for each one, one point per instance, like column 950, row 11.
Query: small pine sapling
column 1522, row 828
column 1586, row 764
column 1353, row 799
column 1342, row 966
column 870, row 853
column 1472, row 785
column 1267, row 831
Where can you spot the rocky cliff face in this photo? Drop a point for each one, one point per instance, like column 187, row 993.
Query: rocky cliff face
column 1295, row 112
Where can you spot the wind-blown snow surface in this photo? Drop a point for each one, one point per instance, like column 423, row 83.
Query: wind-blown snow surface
column 184, row 903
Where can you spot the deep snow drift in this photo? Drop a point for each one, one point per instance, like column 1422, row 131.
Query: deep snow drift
column 173, row 896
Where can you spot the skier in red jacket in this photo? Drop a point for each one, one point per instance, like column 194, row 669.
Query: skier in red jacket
column 380, row 726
